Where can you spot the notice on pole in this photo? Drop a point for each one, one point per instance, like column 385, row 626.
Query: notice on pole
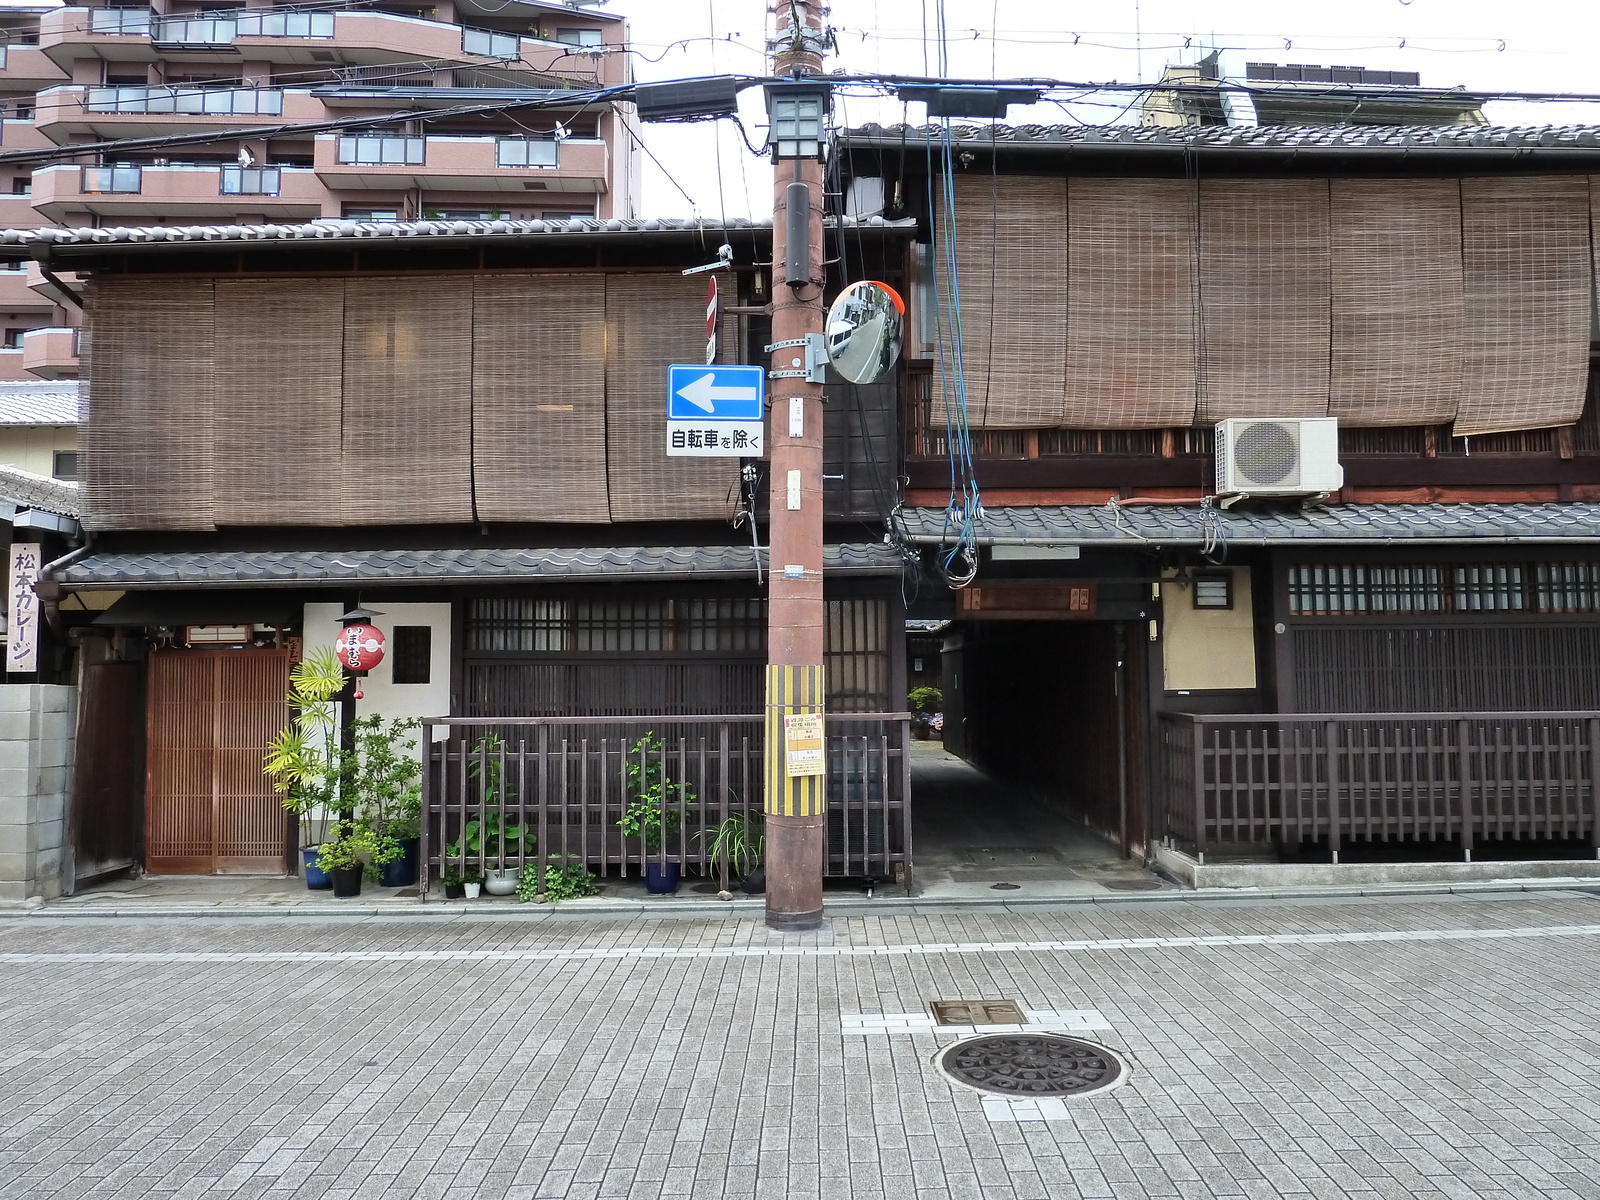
column 803, row 745
column 22, row 611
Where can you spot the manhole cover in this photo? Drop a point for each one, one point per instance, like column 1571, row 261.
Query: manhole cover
column 1047, row 1064
column 1131, row 885
column 1005, row 887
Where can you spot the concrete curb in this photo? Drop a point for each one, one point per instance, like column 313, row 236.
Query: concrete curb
column 752, row 909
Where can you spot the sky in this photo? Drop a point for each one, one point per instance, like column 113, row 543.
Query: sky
column 1484, row 45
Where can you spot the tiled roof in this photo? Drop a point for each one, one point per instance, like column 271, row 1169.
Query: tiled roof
column 47, row 402
column 302, row 568
column 1341, row 138
column 24, row 489
column 1336, row 524
column 400, row 231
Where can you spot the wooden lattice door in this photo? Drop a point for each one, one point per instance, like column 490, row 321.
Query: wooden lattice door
column 211, row 809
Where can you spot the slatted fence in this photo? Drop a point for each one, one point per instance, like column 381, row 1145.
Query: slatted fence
column 563, row 783
column 1379, row 777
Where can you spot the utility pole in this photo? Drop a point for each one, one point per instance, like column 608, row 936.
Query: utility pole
column 796, row 793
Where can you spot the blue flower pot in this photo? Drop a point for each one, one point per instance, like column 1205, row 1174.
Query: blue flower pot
column 660, row 880
column 316, row 878
column 402, row 872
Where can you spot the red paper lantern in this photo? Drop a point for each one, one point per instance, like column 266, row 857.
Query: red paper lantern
column 360, row 647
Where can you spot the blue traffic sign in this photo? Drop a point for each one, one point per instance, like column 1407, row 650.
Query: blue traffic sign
column 716, row 393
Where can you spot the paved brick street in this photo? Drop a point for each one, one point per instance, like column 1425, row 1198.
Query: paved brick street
column 1432, row 1047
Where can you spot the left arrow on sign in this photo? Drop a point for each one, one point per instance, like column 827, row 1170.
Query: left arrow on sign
column 703, row 392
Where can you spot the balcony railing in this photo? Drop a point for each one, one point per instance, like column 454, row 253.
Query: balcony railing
column 251, row 181
column 230, row 102
column 490, row 43
column 527, row 152
column 368, row 151
column 565, row 783
column 99, row 181
column 197, row 31
column 1379, row 776
column 121, row 20
column 287, row 25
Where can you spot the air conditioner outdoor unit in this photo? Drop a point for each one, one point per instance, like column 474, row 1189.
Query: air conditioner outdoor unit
column 1290, row 456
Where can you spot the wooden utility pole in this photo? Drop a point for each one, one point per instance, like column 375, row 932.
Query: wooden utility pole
column 795, row 803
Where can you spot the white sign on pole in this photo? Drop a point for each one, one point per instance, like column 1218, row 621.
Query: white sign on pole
column 716, row 411
column 22, row 612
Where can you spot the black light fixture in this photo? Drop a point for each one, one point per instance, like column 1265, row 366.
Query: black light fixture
column 358, row 616
column 797, row 117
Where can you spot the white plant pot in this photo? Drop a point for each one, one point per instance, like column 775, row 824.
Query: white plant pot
column 472, row 890
column 500, row 883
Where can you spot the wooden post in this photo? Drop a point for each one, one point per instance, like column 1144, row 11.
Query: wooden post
column 1331, row 736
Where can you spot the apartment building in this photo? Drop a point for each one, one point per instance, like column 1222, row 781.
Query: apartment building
column 88, row 75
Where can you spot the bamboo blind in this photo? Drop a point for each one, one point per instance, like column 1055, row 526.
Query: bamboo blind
column 1399, row 310
column 408, row 401
column 538, row 398
column 279, row 348
column 1011, row 269
column 1130, row 355
column 653, row 321
column 147, row 437
column 1526, row 268
column 1264, row 298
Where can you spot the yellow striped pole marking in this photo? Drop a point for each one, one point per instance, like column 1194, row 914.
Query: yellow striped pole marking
column 791, row 691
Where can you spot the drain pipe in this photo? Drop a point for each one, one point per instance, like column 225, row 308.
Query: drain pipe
column 1117, row 681
column 49, row 590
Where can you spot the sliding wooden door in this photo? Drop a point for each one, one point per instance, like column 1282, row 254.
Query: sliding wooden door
column 211, row 810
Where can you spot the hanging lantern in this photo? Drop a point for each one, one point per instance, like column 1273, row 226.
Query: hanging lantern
column 360, row 647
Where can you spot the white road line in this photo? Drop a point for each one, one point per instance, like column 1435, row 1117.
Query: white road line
column 1045, row 1108
column 1085, row 1020
column 912, row 950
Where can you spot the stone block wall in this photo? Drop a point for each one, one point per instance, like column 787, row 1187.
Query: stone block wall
column 38, row 725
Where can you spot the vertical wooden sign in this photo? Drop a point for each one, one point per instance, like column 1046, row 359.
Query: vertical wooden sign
column 22, row 610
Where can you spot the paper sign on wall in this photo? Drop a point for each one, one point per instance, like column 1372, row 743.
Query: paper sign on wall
column 22, row 608
column 802, row 745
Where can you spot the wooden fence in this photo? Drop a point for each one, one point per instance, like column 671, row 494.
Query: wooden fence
column 563, row 784
column 1379, row 776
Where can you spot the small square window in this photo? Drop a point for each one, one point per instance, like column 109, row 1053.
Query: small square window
column 22, row 185
column 65, row 465
column 13, row 338
column 412, row 653
column 578, row 37
column 1213, row 591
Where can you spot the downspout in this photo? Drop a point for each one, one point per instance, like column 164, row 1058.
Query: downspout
column 49, row 590
column 41, row 255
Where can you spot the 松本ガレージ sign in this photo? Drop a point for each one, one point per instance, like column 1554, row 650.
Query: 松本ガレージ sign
column 22, row 608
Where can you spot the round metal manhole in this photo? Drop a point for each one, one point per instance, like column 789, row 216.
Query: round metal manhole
column 1036, row 1064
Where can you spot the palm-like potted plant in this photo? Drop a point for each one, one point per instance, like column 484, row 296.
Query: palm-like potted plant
column 304, row 761
column 648, row 815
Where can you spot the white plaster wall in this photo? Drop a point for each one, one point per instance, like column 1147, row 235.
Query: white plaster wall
column 380, row 694
column 1207, row 649
column 33, row 447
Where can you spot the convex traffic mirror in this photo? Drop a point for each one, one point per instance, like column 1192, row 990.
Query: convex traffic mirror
column 864, row 327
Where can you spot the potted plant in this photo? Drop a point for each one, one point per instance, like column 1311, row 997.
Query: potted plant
column 455, row 886
column 385, row 791
column 736, row 848
column 351, row 852
column 495, row 838
column 927, row 703
column 304, row 761
column 472, row 882
column 648, row 815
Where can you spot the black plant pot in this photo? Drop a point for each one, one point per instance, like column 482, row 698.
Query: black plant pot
column 455, row 891
column 346, row 882
column 755, row 883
